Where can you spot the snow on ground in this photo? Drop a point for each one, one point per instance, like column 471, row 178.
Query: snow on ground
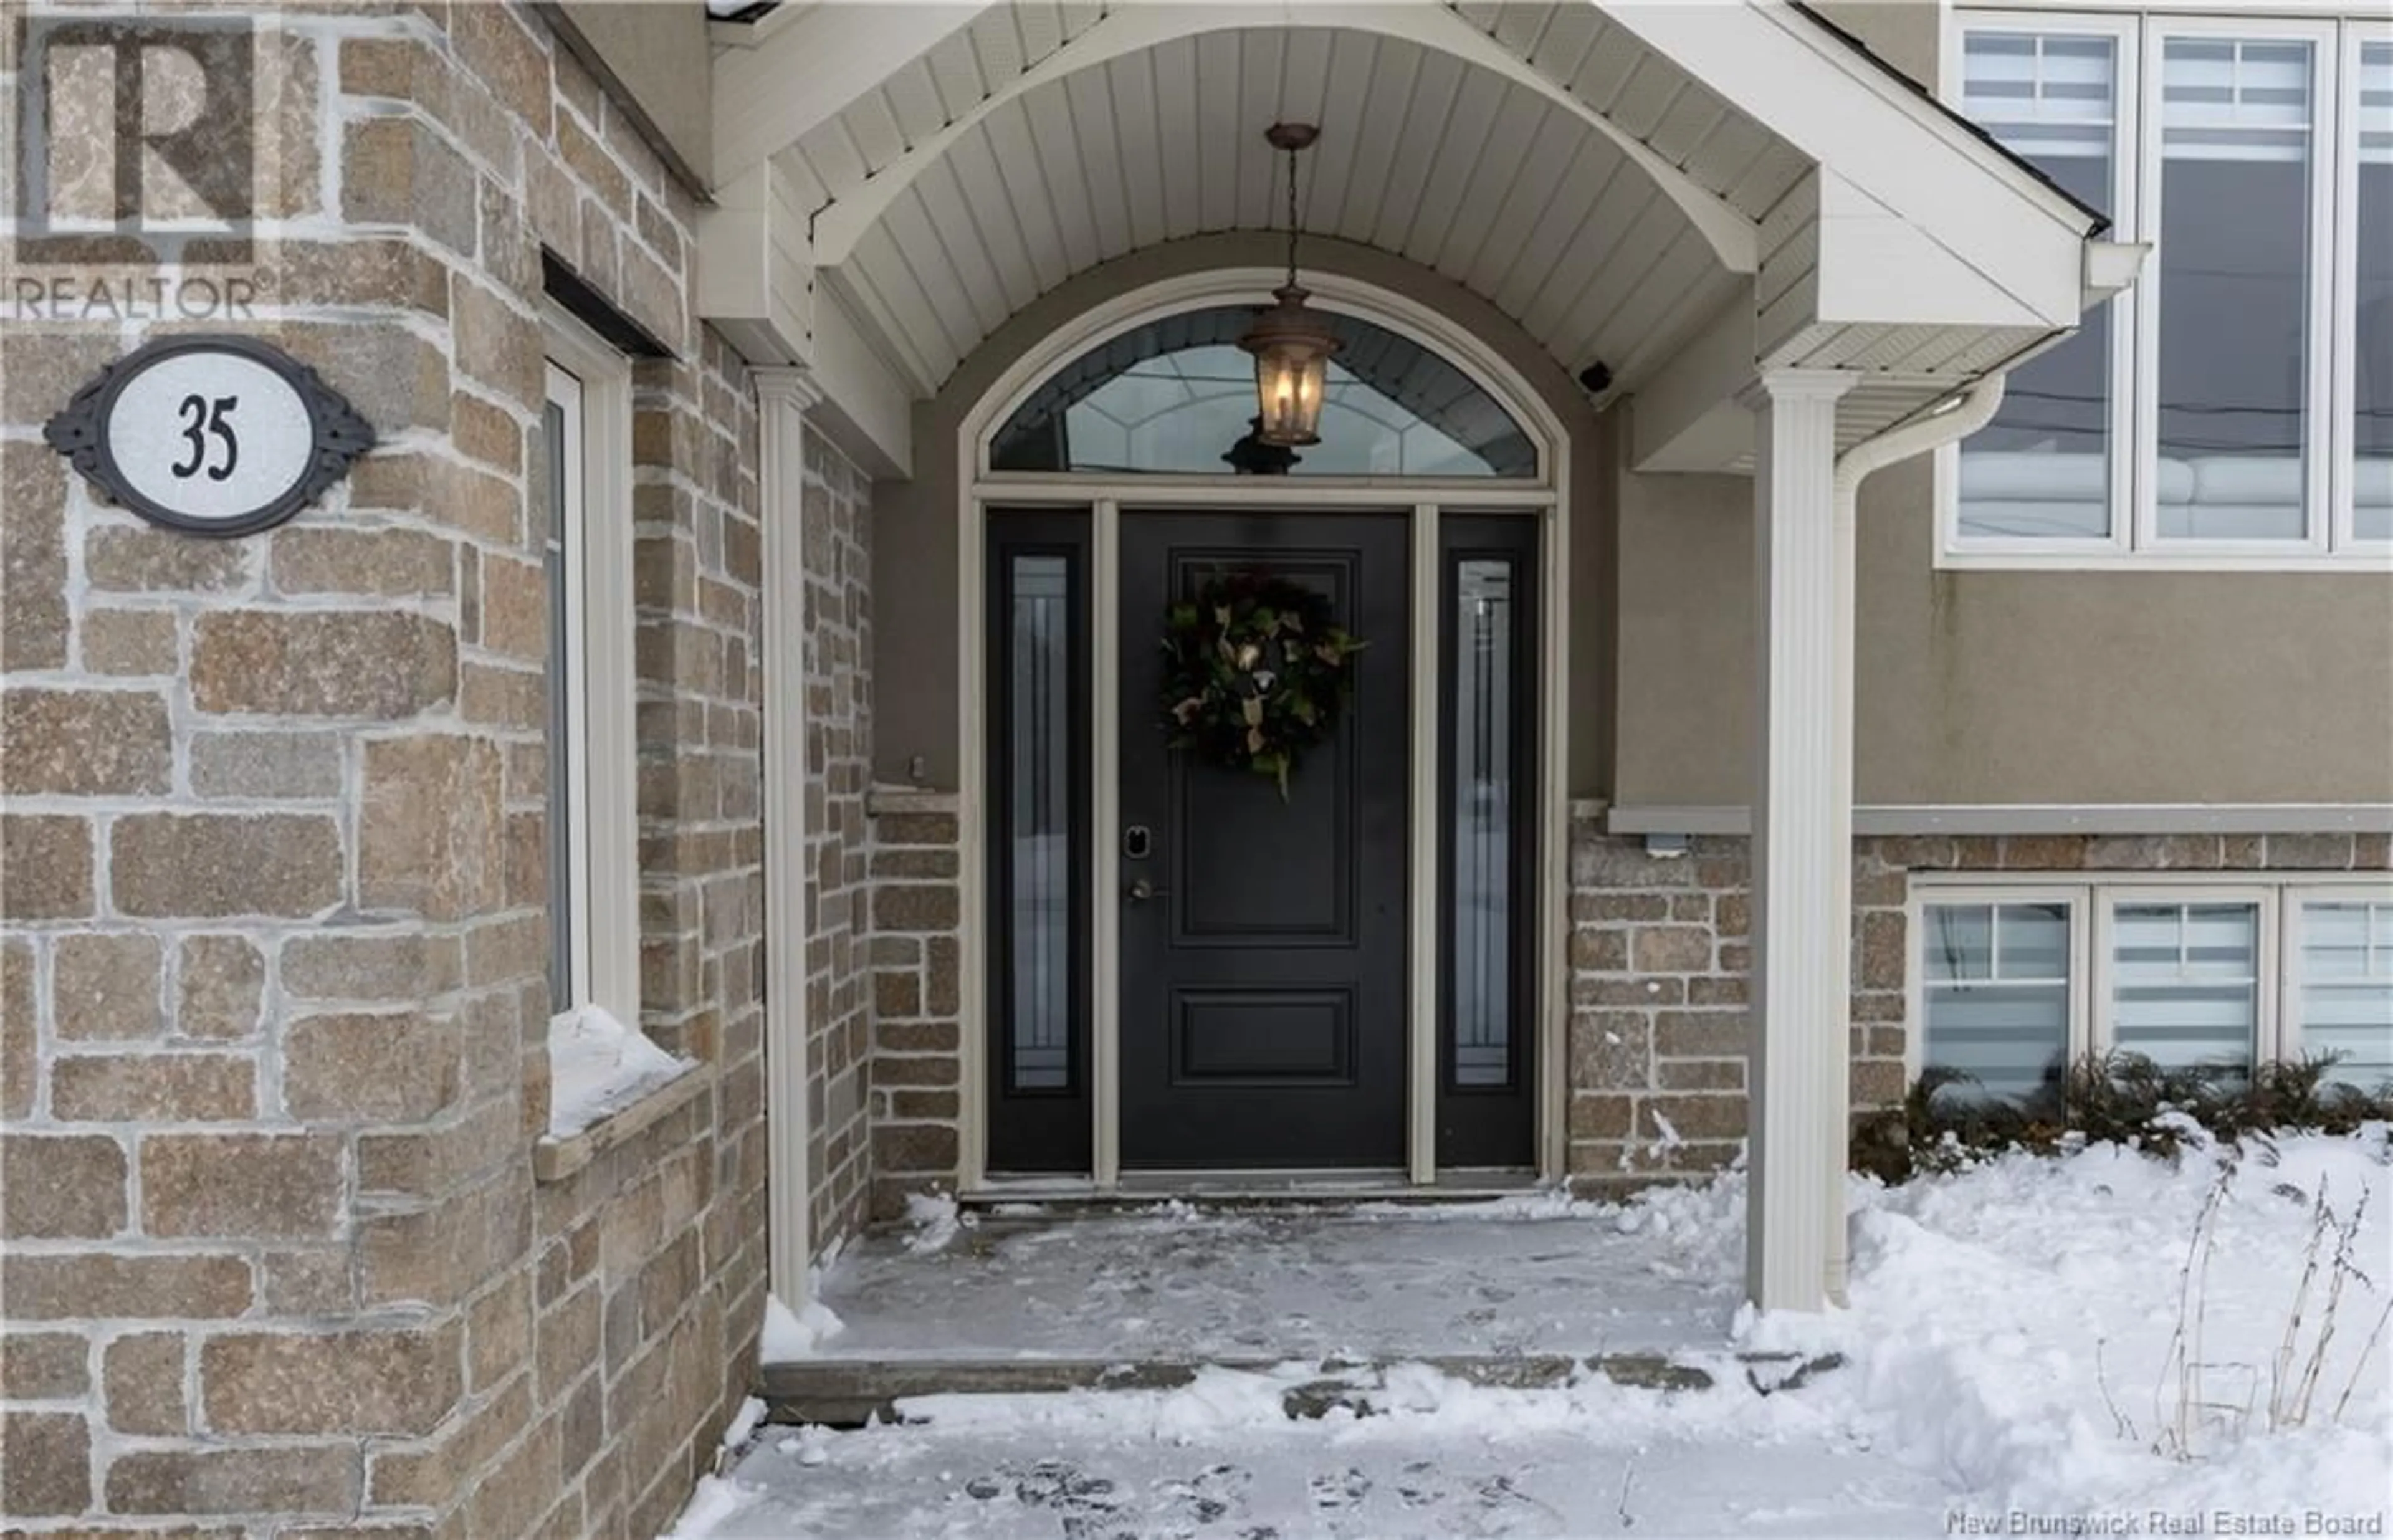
column 792, row 1335
column 2024, row 1339
column 932, row 1220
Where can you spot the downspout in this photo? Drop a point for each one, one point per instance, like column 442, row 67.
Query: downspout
column 1972, row 410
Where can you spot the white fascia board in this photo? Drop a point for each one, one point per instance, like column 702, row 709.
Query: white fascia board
column 811, row 68
column 752, row 276
column 1879, row 267
column 1898, row 148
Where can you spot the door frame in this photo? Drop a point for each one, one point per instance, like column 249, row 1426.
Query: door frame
column 1109, row 500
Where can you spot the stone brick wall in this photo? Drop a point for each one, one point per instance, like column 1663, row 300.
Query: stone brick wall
column 1659, row 959
column 271, row 1057
column 918, row 1044
column 838, row 555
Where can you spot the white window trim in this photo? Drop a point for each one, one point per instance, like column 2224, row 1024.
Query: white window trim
column 2267, row 981
column 2133, row 543
column 1926, row 894
column 602, row 787
column 2342, row 455
column 2289, row 945
column 2093, row 897
column 2127, row 169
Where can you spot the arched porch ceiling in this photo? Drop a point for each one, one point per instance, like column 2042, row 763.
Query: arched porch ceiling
column 1424, row 155
column 1658, row 187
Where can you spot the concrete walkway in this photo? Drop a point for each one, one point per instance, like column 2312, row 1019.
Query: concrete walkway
column 1506, row 1278
column 1520, row 1292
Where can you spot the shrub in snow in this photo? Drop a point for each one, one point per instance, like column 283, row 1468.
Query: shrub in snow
column 2118, row 1098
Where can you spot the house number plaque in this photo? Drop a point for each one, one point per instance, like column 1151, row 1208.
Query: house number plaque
column 215, row 435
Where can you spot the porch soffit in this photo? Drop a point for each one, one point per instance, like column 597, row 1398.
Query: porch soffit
column 1438, row 147
column 1582, row 167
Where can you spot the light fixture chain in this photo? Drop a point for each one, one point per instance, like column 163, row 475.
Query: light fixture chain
column 1291, row 219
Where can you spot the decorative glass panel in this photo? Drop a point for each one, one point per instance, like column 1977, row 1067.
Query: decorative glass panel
column 2186, row 988
column 1996, row 998
column 561, row 726
column 1484, row 786
column 2371, row 474
column 2347, row 994
column 1177, row 395
column 1038, row 819
column 2042, row 468
column 2235, row 293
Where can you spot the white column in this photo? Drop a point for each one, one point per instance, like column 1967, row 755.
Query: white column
column 782, row 397
column 1803, row 842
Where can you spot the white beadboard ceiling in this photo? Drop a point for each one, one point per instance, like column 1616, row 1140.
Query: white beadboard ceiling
column 1422, row 154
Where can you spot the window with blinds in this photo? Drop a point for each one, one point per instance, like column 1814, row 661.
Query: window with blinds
column 2045, row 467
column 1995, row 998
column 2016, row 983
column 2236, row 406
column 2185, row 982
column 2345, row 1005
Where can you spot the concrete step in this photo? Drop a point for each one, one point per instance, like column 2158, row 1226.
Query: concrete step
column 845, row 1393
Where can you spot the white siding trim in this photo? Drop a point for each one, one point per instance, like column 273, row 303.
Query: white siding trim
column 783, row 396
column 601, row 675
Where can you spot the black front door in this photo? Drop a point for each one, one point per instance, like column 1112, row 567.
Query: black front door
column 1263, row 972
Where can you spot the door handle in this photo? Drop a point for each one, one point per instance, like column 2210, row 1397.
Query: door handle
column 1141, row 889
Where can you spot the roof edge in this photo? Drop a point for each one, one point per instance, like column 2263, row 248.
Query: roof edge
column 2099, row 223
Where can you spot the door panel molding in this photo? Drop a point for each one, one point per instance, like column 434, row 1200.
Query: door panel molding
column 1313, row 1072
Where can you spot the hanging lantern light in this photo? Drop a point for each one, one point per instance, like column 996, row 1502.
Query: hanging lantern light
column 1291, row 343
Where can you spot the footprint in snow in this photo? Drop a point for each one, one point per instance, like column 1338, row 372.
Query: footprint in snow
column 1420, row 1487
column 1216, row 1493
column 1343, row 1490
column 1503, row 1508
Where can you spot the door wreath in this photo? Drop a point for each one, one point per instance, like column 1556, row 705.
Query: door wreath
column 1256, row 669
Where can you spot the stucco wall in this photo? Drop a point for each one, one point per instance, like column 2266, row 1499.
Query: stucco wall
column 2005, row 688
column 1906, row 33
column 2002, row 687
column 655, row 59
column 914, row 573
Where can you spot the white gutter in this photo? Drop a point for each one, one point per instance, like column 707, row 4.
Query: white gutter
column 1971, row 410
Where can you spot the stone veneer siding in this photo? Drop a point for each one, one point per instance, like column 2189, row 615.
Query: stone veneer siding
column 917, row 1064
column 272, row 1056
column 1660, row 955
column 838, row 557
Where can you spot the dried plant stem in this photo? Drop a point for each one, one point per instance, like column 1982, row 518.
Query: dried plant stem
column 2367, row 1354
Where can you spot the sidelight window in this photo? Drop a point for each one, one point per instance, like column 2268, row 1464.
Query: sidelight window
column 1487, row 699
column 1484, row 789
column 1040, row 915
column 1038, row 818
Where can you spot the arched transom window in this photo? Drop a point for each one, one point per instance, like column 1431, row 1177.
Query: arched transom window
column 1176, row 397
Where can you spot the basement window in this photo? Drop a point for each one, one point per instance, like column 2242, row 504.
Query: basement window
column 2018, row 981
